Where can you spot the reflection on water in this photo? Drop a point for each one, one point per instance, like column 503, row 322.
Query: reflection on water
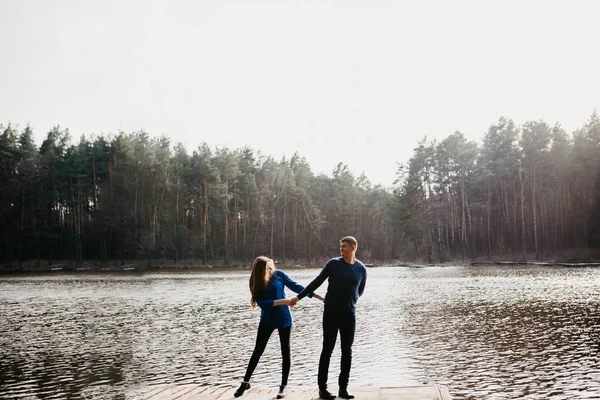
column 486, row 332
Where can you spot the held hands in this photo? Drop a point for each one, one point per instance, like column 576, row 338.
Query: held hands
column 289, row 302
column 292, row 302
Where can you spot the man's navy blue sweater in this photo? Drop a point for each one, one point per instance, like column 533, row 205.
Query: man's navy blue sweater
column 346, row 284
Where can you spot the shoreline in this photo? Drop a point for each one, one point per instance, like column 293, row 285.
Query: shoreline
column 142, row 267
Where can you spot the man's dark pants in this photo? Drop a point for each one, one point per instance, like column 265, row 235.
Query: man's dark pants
column 345, row 323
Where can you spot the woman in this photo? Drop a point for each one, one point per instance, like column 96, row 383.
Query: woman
column 267, row 291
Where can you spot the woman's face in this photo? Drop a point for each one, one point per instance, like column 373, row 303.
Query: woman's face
column 271, row 266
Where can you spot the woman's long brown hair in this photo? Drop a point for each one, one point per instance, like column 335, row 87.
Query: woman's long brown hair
column 259, row 278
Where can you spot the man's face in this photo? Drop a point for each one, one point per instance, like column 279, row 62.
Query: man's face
column 346, row 250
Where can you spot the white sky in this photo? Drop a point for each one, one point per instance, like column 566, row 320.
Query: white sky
column 358, row 82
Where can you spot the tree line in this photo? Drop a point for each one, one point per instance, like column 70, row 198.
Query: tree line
column 529, row 191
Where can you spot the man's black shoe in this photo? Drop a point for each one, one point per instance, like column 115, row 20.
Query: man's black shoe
column 243, row 387
column 343, row 393
column 325, row 394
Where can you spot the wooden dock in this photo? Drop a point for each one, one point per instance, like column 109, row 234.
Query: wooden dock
column 195, row 392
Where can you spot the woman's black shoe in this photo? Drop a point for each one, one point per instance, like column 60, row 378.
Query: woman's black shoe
column 243, row 387
column 281, row 393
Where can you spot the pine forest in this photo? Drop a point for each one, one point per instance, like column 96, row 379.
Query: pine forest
column 525, row 192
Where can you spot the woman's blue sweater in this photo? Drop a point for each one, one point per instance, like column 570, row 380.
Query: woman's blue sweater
column 278, row 316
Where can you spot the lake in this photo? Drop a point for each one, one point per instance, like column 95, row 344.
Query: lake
column 493, row 332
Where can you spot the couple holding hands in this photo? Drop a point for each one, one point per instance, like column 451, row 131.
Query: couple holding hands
column 347, row 277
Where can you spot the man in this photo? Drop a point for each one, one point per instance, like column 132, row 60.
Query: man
column 347, row 278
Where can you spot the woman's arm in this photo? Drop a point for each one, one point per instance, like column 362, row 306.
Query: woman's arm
column 282, row 302
column 273, row 303
column 316, row 296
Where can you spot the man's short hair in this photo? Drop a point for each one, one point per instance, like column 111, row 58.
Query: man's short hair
column 351, row 240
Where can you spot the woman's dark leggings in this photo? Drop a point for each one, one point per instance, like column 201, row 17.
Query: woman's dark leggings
column 261, row 342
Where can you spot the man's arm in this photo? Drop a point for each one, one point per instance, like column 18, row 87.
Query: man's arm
column 363, row 282
column 291, row 284
column 311, row 287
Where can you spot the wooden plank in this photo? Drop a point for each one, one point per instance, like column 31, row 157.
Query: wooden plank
column 171, row 393
column 147, row 392
column 410, row 393
column 227, row 394
column 194, row 392
column 444, row 392
column 183, row 391
column 210, row 394
column 301, row 394
column 366, row 393
column 189, row 392
column 222, row 393
column 198, row 390
column 261, row 393
column 156, row 392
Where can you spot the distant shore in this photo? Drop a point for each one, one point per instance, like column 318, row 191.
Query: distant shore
column 94, row 266
column 138, row 266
